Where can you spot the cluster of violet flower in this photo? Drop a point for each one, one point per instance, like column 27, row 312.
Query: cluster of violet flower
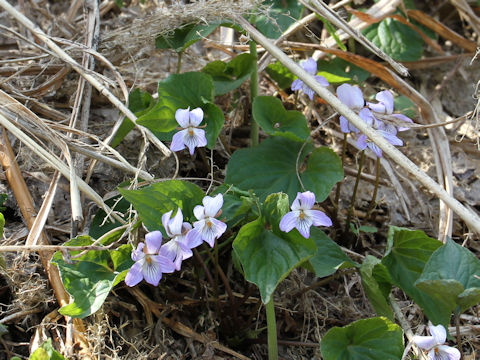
column 152, row 258
column 369, row 112
column 434, row 344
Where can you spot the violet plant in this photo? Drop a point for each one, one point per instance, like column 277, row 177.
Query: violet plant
column 268, row 236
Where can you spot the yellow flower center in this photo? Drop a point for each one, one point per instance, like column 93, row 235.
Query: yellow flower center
column 209, row 223
column 190, row 131
column 302, row 215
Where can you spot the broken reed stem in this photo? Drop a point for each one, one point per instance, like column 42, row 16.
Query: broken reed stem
column 470, row 218
column 253, row 94
column 339, row 184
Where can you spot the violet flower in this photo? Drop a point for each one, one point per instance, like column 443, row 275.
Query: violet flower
column 302, row 216
column 207, row 228
column 177, row 249
column 149, row 265
column 310, row 66
column 363, row 142
column 190, row 134
column 434, row 344
column 385, row 106
column 352, row 97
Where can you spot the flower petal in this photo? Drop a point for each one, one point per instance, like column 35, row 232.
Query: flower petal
column 405, row 119
column 310, row 66
column 303, row 226
column 196, row 116
column 289, row 221
column 386, row 98
column 193, row 138
column 175, row 225
column 199, row 212
column 153, row 240
column 177, row 141
column 193, row 238
column 391, row 138
column 307, row 200
column 344, row 125
column 424, row 342
column 220, row 227
column 165, row 220
column 362, row 142
column 351, row 96
column 138, row 253
column 438, row 332
column 212, row 204
column 308, row 91
column 166, row 265
column 296, row 203
column 367, row 116
column 183, row 117
column 321, row 80
column 297, row 85
column 374, row 147
column 134, row 275
column 152, row 271
column 169, row 250
column 451, row 353
column 319, row 218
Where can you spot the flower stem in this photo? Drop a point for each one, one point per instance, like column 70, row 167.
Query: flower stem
column 339, row 184
column 179, row 62
column 253, row 94
column 459, row 337
column 271, row 330
column 375, row 190
column 354, row 195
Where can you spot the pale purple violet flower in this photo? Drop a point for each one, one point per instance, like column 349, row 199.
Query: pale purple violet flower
column 385, row 106
column 310, row 66
column 352, row 97
column 364, row 142
column 302, row 216
column 177, row 249
column 434, row 344
column 190, row 135
column 149, row 265
column 207, row 228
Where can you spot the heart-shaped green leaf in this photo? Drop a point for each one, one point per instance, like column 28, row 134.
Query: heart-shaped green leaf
column 89, row 278
column 272, row 167
column 407, row 253
column 396, row 39
column 270, row 114
column 367, row 339
column 450, row 275
column 329, row 257
column 151, row 202
column 229, row 76
column 268, row 257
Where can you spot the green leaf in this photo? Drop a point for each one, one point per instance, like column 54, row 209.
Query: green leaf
column 329, row 257
column 278, row 72
column 46, row 352
column 268, row 257
column 89, row 278
column 238, row 205
column 139, row 102
column 332, row 32
column 396, row 39
column 186, row 35
column 405, row 106
column 101, row 224
column 182, row 91
column 367, row 339
column 281, row 14
column 151, row 202
column 450, row 276
column 229, row 76
column 338, row 71
column 271, row 167
column 372, row 288
column 407, row 253
column 270, row 114
column 2, row 224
